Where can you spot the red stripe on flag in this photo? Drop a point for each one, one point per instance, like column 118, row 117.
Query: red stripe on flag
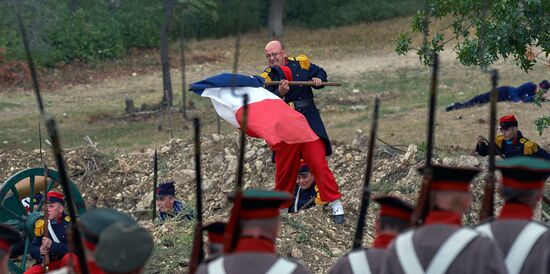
column 275, row 122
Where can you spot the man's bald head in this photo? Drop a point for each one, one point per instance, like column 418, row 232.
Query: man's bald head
column 275, row 53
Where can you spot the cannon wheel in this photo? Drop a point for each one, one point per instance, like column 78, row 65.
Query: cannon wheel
column 25, row 184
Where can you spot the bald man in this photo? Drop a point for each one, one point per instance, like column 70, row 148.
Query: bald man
column 299, row 68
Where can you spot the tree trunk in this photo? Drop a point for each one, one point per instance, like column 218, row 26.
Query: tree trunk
column 167, row 96
column 275, row 19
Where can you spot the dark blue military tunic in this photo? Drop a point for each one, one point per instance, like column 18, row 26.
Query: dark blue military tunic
column 57, row 250
column 520, row 146
column 526, row 93
column 302, row 70
column 305, row 197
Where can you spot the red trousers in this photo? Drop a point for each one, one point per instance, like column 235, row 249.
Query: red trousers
column 287, row 164
column 37, row 268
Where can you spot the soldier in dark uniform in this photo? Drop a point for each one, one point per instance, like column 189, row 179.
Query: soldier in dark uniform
column 255, row 250
column 394, row 217
column 525, row 243
column 167, row 204
column 123, row 249
column 442, row 245
column 8, row 238
column 215, row 232
column 306, row 193
column 525, row 93
column 300, row 68
column 92, row 224
column 511, row 142
column 56, row 245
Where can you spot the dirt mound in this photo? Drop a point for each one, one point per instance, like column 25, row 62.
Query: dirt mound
column 124, row 182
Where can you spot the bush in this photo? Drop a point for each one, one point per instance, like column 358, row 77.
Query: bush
column 102, row 30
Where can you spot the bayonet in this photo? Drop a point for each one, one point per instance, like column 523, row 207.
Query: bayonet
column 366, row 191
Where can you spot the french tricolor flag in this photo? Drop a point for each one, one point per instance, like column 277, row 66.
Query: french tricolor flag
column 269, row 117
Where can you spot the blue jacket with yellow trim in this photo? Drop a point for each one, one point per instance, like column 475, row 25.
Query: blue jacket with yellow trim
column 302, row 70
column 521, row 146
column 57, row 250
column 303, row 197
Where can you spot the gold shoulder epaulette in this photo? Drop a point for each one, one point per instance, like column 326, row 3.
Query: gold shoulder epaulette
column 499, row 140
column 303, row 60
column 39, row 228
column 265, row 74
column 318, row 200
column 67, row 219
column 529, row 147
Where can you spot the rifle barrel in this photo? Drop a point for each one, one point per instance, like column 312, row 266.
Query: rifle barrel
column 303, row 83
column 422, row 204
column 56, row 146
column 365, row 195
column 155, row 185
column 197, row 254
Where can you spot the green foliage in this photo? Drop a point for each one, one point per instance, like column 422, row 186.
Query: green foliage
column 485, row 31
column 330, row 13
column 542, row 123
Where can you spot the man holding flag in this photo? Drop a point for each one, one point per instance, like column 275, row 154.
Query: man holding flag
column 285, row 131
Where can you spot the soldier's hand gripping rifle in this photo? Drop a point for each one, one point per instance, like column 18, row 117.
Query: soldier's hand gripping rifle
column 365, row 195
column 487, row 206
column 56, row 147
column 197, row 254
column 422, row 204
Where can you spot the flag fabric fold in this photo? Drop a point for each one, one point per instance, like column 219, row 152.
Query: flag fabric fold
column 269, row 117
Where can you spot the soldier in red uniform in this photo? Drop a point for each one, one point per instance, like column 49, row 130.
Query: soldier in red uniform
column 394, row 217
column 215, row 233
column 442, row 245
column 255, row 251
column 524, row 242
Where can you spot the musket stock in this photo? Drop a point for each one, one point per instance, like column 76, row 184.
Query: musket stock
column 487, row 206
column 422, row 204
column 365, row 194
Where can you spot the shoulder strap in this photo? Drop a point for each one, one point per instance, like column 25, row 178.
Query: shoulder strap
column 358, row 262
column 450, row 249
column 216, row 266
column 407, row 255
column 282, row 266
column 522, row 246
column 485, row 229
column 52, row 233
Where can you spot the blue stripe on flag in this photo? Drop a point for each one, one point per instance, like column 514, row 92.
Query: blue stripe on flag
column 227, row 80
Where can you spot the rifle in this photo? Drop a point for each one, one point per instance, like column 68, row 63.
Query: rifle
column 365, row 196
column 155, row 183
column 45, row 219
column 197, row 254
column 303, row 83
column 422, row 204
column 487, row 207
column 232, row 230
column 56, row 147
